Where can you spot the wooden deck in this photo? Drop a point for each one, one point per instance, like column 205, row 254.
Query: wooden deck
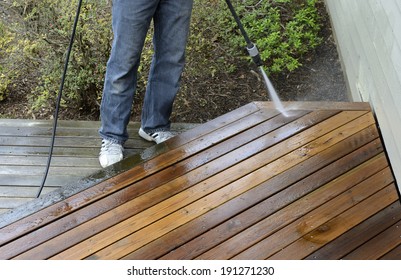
column 24, row 147
column 252, row 184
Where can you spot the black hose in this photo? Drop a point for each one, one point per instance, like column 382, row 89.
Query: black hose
column 59, row 98
column 239, row 23
column 251, row 47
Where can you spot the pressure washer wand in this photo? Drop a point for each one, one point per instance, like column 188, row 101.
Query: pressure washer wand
column 251, row 47
column 254, row 53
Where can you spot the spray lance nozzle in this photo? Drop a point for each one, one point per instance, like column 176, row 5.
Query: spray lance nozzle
column 254, row 53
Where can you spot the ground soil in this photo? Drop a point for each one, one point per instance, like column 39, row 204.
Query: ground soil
column 319, row 78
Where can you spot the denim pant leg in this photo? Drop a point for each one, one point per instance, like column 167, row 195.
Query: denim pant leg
column 172, row 21
column 131, row 20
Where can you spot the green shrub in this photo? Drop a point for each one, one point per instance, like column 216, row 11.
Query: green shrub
column 47, row 26
column 5, row 37
column 34, row 44
column 12, row 64
column 283, row 30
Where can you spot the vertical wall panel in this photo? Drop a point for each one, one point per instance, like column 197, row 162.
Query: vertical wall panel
column 369, row 42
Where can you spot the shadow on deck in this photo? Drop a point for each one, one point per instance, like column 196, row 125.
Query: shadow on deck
column 252, row 184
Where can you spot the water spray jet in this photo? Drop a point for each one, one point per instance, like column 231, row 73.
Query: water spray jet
column 254, row 54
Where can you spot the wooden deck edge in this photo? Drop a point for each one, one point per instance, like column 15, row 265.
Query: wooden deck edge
column 80, row 124
column 317, row 105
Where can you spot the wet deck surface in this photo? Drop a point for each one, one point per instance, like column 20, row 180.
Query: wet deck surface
column 24, row 147
column 252, row 184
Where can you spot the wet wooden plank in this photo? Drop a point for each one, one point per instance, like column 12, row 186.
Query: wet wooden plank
column 394, row 254
column 169, row 173
column 330, row 227
column 252, row 184
column 168, row 154
column 183, row 181
column 241, row 185
column 262, row 201
column 359, row 234
column 288, row 214
column 378, row 246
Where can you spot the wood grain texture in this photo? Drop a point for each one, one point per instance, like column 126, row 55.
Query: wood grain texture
column 252, row 184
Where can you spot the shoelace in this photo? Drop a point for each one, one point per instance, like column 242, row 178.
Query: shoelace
column 162, row 135
column 110, row 147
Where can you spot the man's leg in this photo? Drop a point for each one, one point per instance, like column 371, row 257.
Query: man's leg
column 172, row 21
column 131, row 20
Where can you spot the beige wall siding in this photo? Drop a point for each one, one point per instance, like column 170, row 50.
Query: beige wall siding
column 368, row 33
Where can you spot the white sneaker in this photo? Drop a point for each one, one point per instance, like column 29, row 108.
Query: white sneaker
column 110, row 153
column 157, row 137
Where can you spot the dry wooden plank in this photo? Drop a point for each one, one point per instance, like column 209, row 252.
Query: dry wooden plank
column 12, row 202
column 290, row 213
column 43, row 128
column 22, row 123
column 89, row 125
column 70, row 141
column 45, row 141
column 359, row 234
column 67, row 154
column 44, row 151
column 66, row 142
column 22, row 192
column 83, row 128
column 271, row 195
column 42, row 160
column 80, row 171
column 329, row 227
column 73, row 147
column 102, row 189
column 379, row 245
column 35, row 180
column 46, row 131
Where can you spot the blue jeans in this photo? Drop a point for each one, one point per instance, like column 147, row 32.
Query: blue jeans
column 131, row 21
